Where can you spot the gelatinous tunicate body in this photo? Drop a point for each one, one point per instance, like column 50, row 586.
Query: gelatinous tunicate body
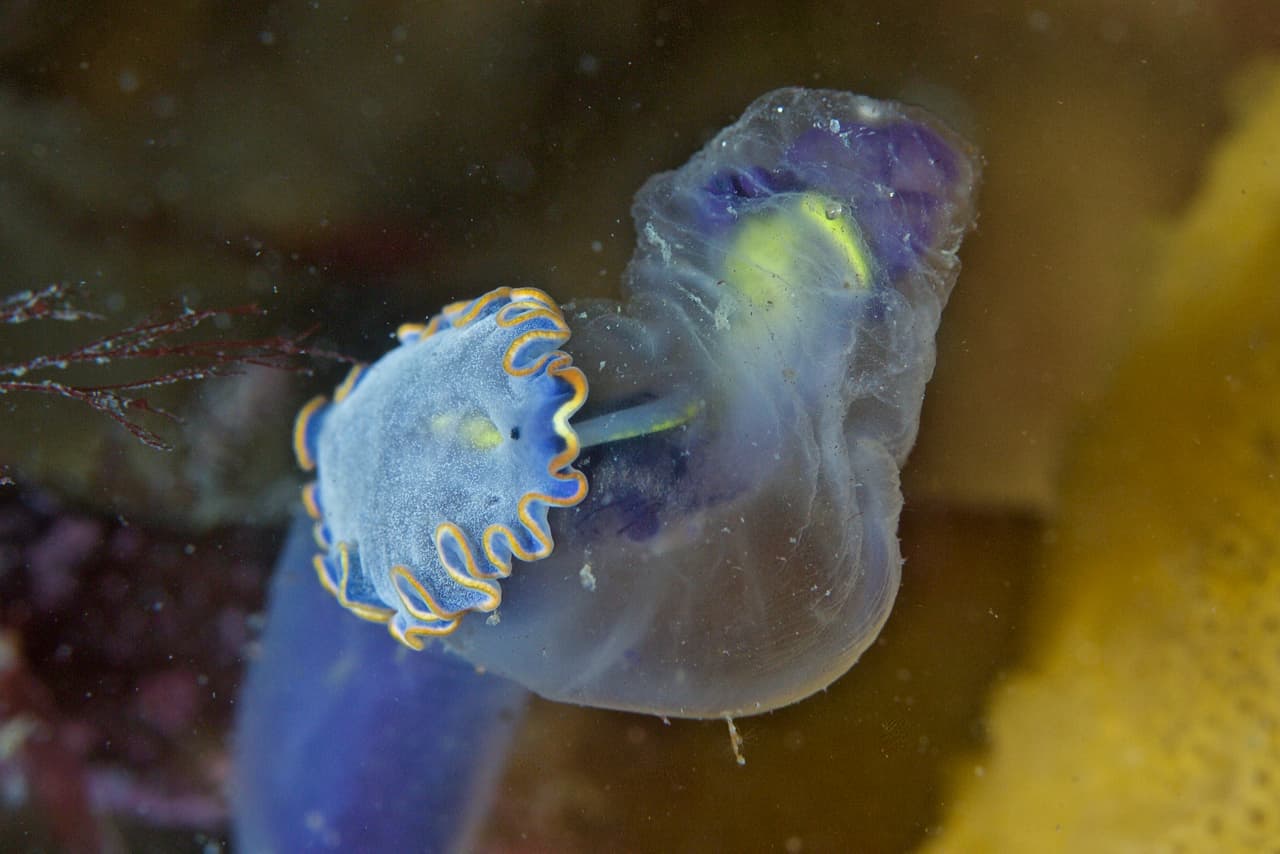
column 750, row 403
column 347, row 741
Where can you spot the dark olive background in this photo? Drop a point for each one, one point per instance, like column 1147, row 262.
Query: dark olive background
column 355, row 165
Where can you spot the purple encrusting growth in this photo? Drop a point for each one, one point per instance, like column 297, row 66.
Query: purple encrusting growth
column 121, row 652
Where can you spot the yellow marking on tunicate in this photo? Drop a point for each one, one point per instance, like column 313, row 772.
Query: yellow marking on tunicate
column 833, row 219
column 772, row 248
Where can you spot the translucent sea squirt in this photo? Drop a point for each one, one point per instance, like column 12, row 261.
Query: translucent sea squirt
column 725, row 500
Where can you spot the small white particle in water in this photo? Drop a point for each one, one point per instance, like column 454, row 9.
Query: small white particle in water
column 493, row 619
column 128, row 81
column 266, row 38
column 597, row 247
column 735, row 742
column 587, row 578
column 1039, row 20
column 720, row 317
column 651, row 234
column 400, row 34
column 794, row 845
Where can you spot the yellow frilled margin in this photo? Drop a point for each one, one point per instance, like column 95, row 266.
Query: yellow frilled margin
column 1148, row 716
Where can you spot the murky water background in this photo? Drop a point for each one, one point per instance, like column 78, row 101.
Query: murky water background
column 356, row 165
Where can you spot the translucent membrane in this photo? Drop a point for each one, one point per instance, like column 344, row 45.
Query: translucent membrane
column 750, row 405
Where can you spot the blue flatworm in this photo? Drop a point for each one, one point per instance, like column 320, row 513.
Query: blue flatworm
column 437, row 464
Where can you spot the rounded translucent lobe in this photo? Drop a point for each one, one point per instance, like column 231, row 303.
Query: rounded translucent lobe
column 748, row 556
column 437, row 464
column 344, row 744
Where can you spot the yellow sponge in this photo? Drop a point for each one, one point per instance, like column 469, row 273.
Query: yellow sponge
column 1148, row 715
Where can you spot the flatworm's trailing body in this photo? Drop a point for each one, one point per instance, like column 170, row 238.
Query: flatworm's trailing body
column 751, row 403
column 343, row 743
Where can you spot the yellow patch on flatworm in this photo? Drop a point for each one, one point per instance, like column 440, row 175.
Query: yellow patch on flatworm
column 475, row 431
